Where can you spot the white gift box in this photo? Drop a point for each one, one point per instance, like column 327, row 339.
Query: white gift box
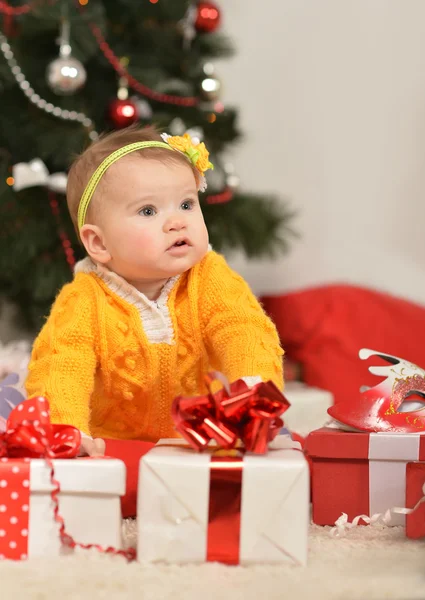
column 174, row 501
column 89, row 503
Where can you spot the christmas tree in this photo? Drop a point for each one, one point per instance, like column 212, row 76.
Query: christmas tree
column 70, row 69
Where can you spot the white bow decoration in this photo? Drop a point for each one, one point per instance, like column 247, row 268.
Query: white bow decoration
column 35, row 173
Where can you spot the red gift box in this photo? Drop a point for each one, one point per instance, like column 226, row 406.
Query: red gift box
column 360, row 473
column 415, row 482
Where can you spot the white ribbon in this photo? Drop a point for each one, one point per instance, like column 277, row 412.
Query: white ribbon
column 388, row 456
column 342, row 525
column 382, row 469
column 35, row 173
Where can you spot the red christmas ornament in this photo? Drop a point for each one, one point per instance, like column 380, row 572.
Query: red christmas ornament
column 123, row 113
column 208, row 17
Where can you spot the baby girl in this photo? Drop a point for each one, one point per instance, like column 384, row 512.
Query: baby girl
column 152, row 308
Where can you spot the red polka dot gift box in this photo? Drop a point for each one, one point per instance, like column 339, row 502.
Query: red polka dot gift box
column 89, row 504
column 50, row 501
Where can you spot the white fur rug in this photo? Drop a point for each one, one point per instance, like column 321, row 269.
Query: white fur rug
column 370, row 562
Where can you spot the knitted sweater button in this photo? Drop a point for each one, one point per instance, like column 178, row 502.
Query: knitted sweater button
column 130, row 363
column 128, row 395
column 122, row 326
column 182, row 351
column 189, row 384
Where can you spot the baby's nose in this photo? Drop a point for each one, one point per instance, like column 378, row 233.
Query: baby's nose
column 175, row 224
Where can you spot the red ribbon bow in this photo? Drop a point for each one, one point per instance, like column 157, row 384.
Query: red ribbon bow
column 235, row 412
column 29, row 433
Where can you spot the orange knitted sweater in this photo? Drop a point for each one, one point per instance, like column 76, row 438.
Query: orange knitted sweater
column 110, row 361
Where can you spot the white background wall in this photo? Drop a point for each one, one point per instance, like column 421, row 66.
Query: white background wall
column 332, row 103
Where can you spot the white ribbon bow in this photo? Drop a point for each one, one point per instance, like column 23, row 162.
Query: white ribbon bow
column 35, row 173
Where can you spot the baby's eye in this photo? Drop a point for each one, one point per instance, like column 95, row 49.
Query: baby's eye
column 147, row 211
column 187, row 204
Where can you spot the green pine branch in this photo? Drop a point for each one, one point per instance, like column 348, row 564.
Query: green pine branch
column 260, row 226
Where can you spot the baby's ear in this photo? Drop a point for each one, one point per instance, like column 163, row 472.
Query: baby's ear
column 92, row 238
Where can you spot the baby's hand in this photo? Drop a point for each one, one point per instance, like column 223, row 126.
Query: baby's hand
column 92, row 447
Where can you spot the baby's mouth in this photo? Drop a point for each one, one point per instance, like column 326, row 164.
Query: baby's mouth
column 180, row 243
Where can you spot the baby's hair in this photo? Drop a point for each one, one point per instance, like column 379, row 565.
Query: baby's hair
column 87, row 162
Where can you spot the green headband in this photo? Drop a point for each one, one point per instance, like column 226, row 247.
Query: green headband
column 103, row 167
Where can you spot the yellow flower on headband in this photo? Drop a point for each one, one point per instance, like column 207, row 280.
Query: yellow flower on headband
column 180, row 142
column 203, row 163
column 196, row 153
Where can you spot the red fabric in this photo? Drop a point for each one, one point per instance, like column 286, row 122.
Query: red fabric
column 130, row 452
column 324, row 329
column 415, row 479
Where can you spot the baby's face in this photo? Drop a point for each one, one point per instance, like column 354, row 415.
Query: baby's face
column 151, row 219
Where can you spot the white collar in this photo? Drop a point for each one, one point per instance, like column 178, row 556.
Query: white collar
column 154, row 314
column 120, row 286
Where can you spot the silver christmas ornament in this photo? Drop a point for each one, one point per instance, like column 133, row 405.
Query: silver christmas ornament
column 210, row 88
column 66, row 75
column 210, row 84
column 36, row 99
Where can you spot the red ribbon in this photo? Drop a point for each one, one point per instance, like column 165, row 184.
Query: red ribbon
column 224, row 512
column 235, row 412
column 30, row 434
